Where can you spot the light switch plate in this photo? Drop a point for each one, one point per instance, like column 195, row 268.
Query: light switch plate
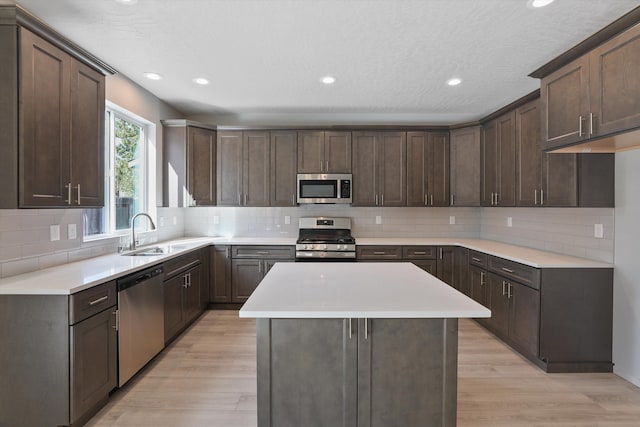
column 71, row 232
column 378, row 219
column 452, row 220
column 287, row 219
column 54, row 232
column 598, row 231
column 509, row 221
column 175, row 220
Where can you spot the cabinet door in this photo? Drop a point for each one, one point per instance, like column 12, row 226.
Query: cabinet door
column 337, row 152
column 94, row 361
column 46, row 133
column 428, row 265
column 564, row 103
column 615, row 84
column 191, row 292
column 307, row 372
column 173, row 312
column 446, row 264
column 229, row 168
column 246, row 274
column 524, row 317
column 310, row 152
column 462, row 271
column 201, row 161
column 498, row 304
column 256, row 170
column 392, row 173
column 528, row 155
column 417, row 169
column 506, row 160
column 408, row 388
column 284, row 164
column 365, row 173
column 87, row 135
column 559, row 179
column 438, row 177
column 478, row 285
column 220, row 263
column 489, row 162
column 465, row 161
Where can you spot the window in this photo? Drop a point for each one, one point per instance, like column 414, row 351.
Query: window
column 129, row 172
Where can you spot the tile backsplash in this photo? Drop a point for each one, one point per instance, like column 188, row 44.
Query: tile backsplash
column 25, row 234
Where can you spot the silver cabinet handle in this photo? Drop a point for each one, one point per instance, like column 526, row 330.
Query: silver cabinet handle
column 580, row 126
column 376, row 200
column 259, row 266
column 228, row 252
column 425, row 200
column 327, row 168
column 293, row 199
column 78, row 193
column 504, row 285
column 541, row 197
column 590, row 123
column 476, row 259
column 263, row 252
column 99, row 300
column 68, row 187
column 431, row 199
column 482, row 274
column 379, row 253
column 349, row 326
column 452, row 200
column 497, row 199
column 509, row 290
column 116, row 325
column 508, row 270
column 239, row 198
column 440, row 249
column 535, row 197
column 366, row 328
column 245, row 199
column 382, row 199
column 492, row 198
column 321, row 164
column 419, row 253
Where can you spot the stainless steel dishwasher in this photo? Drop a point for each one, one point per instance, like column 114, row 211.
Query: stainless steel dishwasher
column 140, row 320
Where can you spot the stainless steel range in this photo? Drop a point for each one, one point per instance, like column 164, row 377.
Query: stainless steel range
column 324, row 238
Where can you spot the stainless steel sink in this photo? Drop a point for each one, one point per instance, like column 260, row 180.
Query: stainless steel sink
column 156, row 250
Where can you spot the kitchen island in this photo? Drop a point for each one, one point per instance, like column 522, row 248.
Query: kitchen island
column 348, row 344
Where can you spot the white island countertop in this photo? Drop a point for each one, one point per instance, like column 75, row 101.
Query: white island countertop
column 356, row 290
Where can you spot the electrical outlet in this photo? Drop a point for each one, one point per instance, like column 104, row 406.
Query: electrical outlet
column 287, row 219
column 509, row 221
column 452, row 220
column 378, row 219
column 598, row 231
column 175, row 220
column 71, row 232
column 54, row 232
column 216, row 219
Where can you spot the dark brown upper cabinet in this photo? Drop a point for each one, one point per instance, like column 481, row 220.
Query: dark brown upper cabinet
column 324, row 152
column 465, row 159
column 53, row 155
column 189, row 164
column 243, row 170
column 284, row 162
column 427, row 168
column 499, row 161
column 596, row 95
column 379, row 169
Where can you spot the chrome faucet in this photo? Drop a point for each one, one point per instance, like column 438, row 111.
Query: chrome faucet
column 133, row 229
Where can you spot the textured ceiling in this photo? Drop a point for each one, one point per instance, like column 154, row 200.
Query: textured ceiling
column 391, row 58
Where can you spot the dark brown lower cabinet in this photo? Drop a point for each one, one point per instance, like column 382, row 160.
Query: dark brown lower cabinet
column 220, row 273
column 478, row 286
column 447, row 264
column 181, row 301
column 339, row 372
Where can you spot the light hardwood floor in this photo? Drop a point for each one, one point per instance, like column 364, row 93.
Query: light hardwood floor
column 207, row 377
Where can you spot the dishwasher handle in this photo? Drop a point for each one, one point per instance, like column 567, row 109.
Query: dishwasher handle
column 138, row 277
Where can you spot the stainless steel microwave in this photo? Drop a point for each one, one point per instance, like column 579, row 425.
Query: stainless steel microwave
column 324, row 188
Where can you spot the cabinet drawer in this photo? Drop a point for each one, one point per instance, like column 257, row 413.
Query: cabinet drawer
column 181, row 264
column 418, row 252
column 379, row 252
column 85, row 304
column 263, row 252
column 512, row 270
column 478, row 259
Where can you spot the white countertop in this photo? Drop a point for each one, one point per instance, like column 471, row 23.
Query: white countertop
column 531, row 257
column 356, row 290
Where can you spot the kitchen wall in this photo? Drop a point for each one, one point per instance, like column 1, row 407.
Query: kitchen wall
column 566, row 230
column 626, row 290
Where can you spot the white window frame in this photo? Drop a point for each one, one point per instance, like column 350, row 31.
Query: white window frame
column 148, row 168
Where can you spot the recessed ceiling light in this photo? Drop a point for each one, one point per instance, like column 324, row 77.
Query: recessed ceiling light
column 328, row 80
column 454, row 82
column 153, row 76
column 201, row 81
column 539, row 3
column 127, row 2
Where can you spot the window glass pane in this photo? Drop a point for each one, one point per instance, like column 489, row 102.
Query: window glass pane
column 129, row 171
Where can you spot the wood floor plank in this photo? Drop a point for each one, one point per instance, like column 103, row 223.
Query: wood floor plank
column 207, row 377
